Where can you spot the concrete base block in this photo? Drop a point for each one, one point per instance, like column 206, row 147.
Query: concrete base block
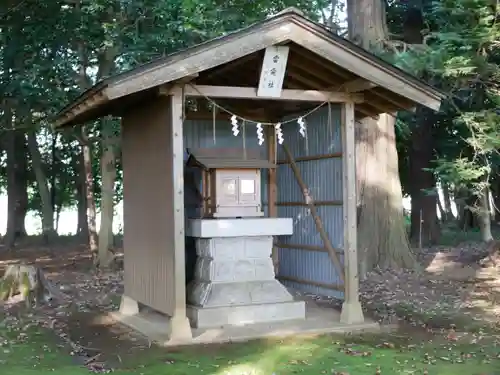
column 245, row 314
column 180, row 329
column 210, row 295
column 319, row 320
column 129, row 306
column 352, row 313
column 220, row 228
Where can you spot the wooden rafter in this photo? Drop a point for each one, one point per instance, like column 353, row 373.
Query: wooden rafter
column 287, row 94
column 358, row 85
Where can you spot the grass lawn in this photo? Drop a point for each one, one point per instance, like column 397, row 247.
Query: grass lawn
column 31, row 351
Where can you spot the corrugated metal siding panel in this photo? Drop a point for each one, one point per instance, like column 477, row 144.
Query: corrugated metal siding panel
column 322, row 138
column 199, row 134
column 149, row 250
column 324, row 179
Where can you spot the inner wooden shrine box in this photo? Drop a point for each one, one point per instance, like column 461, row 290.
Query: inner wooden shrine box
column 230, row 181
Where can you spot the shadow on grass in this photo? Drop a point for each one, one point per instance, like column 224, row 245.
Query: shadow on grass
column 410, row 350
column 360, row 355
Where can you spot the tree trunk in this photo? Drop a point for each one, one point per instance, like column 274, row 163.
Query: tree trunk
column 53, row 172
column 58, row 217
column 108, row 176
column 466, row 203
column 89, row 190
column 442, row 212
column 48, row 230
column 484, row 217
column 81, row 196
column 17, row 195
column 495, row 194
column 423, row 187
column 447, row 202
column 106, row 63
column 382, row 237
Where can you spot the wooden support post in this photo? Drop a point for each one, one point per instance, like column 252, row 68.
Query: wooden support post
column 272, row 191
column 180, row 329
column 204, row 195
column 351, row 309
column 317, row 220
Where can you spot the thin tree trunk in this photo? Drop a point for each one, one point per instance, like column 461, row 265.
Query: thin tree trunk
column 108, row 176
column 43, row 188
column 447, row 202
column 86, row 158
column 81, row 196
column 89, row 190
column 484, row 217
column 58, row 216
column 382, row 237
column 442, row 212
column 53, row 172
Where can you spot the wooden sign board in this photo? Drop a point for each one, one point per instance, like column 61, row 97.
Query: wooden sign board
column 273, row 71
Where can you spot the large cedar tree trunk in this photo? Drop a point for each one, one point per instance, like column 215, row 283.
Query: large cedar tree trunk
column 423, row 192
column 17, row 183
column 382, row 237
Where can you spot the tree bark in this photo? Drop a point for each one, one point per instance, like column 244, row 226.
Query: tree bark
column 81, row 195
column 53, row 173
column 447, row 202
column 48, row 230
column 89, row 194
column 423, row 187
column 382, row 237
column 108, row 176
column 17, row 182
column 484, row 217
column 495, row 194
column 442, row 212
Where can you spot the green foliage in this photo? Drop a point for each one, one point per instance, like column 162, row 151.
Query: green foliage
column 52, row 51
column 459, row 54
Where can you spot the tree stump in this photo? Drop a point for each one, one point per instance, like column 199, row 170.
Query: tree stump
column 29, row 282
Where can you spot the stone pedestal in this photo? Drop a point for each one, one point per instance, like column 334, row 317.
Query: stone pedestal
column 234, row 277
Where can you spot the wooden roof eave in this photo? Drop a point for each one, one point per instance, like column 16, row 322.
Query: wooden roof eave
column 85, row 105
column 286, row 27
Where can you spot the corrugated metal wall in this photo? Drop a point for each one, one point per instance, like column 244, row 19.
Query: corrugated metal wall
column 148, row 196
column 324, row 179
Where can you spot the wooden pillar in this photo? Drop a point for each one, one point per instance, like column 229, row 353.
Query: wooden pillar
column 351, row 308
column 180, row 328
column 272, row 190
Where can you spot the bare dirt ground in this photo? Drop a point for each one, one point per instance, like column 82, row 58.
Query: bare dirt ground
column 448, row 293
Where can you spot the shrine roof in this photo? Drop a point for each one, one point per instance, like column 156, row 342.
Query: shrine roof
column 318, row 60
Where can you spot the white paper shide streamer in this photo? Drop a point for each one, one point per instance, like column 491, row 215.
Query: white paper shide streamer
column 303, row 132
column 279, row 133
column 302, row 127
column 234, row 122
column 260, row 134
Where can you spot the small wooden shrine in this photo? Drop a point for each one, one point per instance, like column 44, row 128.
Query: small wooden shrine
column 231, row 182
column 281, row 67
